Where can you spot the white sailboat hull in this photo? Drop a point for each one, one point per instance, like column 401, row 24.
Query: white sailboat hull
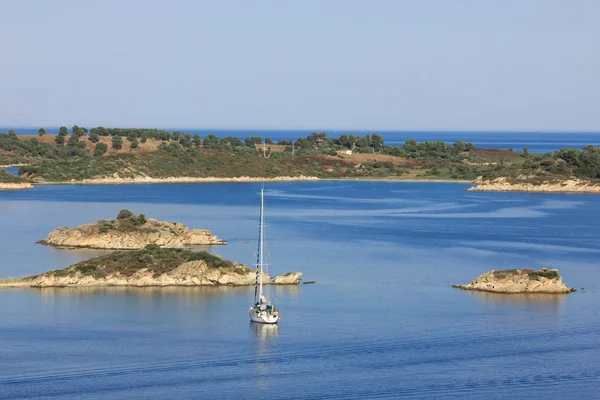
column 264, row 318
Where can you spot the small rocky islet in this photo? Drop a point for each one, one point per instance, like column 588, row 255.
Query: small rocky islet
column 152, row 266
column 148, row 253
column 129, row 231
column 513, row 281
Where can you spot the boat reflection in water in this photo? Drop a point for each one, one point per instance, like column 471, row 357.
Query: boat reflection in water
column 265, row 332
column 267, row 336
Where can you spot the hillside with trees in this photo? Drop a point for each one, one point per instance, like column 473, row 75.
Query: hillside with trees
column 134, row 152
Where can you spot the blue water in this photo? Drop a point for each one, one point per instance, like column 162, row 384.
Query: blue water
column 536, row 142
column 381, row 322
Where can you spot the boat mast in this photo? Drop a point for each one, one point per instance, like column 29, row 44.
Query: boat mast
column 262, row 237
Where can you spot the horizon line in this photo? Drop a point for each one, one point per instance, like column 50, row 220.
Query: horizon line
column 344, row 130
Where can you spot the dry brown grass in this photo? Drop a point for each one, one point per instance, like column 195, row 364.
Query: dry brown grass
column 358, row 158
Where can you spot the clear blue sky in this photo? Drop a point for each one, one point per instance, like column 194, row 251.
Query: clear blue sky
column 326, row 64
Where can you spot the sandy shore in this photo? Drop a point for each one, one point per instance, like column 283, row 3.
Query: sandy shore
column 15, row 186
column 147, row 179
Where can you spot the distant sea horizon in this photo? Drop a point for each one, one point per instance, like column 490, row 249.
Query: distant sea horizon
column 534, row 141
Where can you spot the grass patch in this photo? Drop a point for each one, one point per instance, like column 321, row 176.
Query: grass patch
column 550, row 274
column 156, row 260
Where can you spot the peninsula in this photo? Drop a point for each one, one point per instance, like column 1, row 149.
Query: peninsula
column 518, row 281
column 139, row 155
column 130, row 231
column 9, row 181
column 152, row 266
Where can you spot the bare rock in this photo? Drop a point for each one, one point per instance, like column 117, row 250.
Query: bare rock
column 519, row 281
column 130, row 233
column 525, row 183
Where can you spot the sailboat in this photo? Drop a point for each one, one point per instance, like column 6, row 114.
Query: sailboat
column 262, row 311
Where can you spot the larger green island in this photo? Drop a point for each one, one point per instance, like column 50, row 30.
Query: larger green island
column 138, row 155
column 152, row 266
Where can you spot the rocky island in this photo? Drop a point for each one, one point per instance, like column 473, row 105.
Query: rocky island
column 152, row 266
column 519, row 281
column 524, row 183
column 129, row 231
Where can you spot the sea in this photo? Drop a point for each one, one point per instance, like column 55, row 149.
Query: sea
column 535, row 142
column 381, row 322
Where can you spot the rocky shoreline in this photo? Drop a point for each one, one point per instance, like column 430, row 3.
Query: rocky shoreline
column 152, row 267
column 130, row 231
column 146, row 179
column 15, row 186
column 193, row 273
column 565, row 186
column 513, row 281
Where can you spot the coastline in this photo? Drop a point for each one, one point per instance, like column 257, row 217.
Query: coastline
column 15, row 186
column 240, row 179
column 29, row 285
column 565, row 186
column 12, row 165
column 496, row 185
column 147, row 179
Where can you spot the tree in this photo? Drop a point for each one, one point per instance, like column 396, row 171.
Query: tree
column 186, row 140
column 125, row 214
column 131, row 136
column 268, row 141
column 176, row 135
column 470, row 147
column 41, row 132
column 197, row 141
column 117, row 142
column 73, row 140
column 63, row 131
column 12, row 133
column 210, row 140
column 77, row 131
column 60, row 140
column 134, row 144
column 100, row 149
column 93, row 138
column 525, row 152
column 377, row 141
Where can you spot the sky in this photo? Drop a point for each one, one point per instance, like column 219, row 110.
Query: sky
column 310, row 64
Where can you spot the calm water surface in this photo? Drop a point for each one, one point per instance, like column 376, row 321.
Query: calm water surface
column 381, row 322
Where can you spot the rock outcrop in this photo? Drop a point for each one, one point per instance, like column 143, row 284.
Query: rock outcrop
column 131, row 232
column 519, row 281
column 124, row 270
column 15, row 186
column 522, row 184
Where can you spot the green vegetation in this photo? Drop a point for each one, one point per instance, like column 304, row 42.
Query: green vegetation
column 564, row 163
column 117, row 142
column 182, row 155
column 100, row 149
column 156, row 260
column 7, row 177
column 550, row 274
column 126, row 221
